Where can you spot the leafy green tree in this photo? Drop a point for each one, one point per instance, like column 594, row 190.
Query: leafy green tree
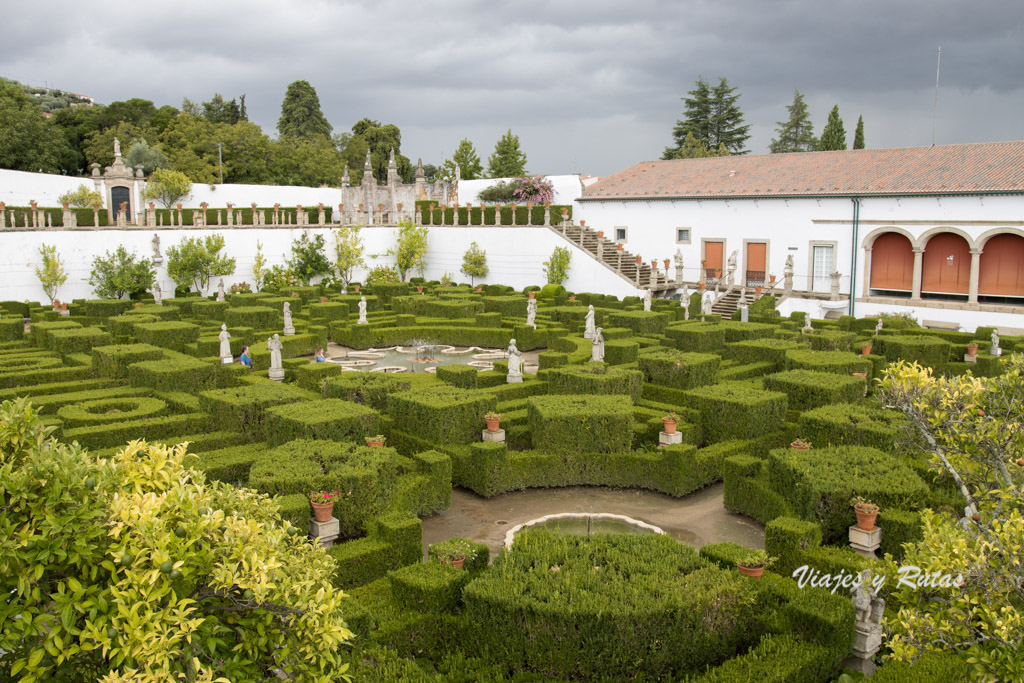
column 116, row 275
column 833, row 137
column 195, row 260
column 556, row 268
column 411, row 249
column 474, row 263
column 259, row 267
column 693, row 148
column 150, row 158
column 858, row 135
column 27, row 140
column 76, row 124
column 796, row 134
column 348, row 252
column 301, row 117
column 713, row 117
column 190, row 142
column 135, row 567
column 972, row 431
column 99, row 147
column 168, row 187
column 508, row 161
column 310, row 163
column 82, row 198
column 219, row 110
column 501, row 192
column 309, row 258
column 135, row 111
column 51, row 271
column 379, row 139
column 467, row 159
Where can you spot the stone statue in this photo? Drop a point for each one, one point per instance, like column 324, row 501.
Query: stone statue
column 515, row 363
column 789, row 263
column 647, row 300
column 684, row 299
column 732, row 260
column 868, row 608
column 362, row 312
column 289, row 329
column 220, row 290
column 117, row 147
column 158, row 295
column 591, row 330
column 995, row 350
column 807, row 323
column 597, row 349
column 686, row 312
column 531, row 313
column 878, row 327
column 707, row 304
column 157, row 256
column 276, row 370
column 226, row 356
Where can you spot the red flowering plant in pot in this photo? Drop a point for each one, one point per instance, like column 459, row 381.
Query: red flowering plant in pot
column 455, row 551
column 866, row 512
column 493, row 421
column 323, row 504
column 754, row 564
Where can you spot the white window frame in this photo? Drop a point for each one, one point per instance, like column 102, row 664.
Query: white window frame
column 689, row 236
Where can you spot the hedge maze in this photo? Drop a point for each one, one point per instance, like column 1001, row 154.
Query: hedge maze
column 558, row 608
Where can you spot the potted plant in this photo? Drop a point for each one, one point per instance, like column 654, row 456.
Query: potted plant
column 639, row 260
column 493, row 420
column 356, row 287
column 701, row 285
column 531, row 294
column 323, row 504
column 454, row 551
column 380, row 207
column 618, row 247
column 754, row 564
column 583, row 223
column 419, row 289
column 654, row 264
column 667, row 262
column 277, row 207
column 800, row 445
column 33, row 203
column 231, row 207
column 861, row 375
column 65, row 205
column 565, row 212
column 64, row 306
column 400, row 207
column 757, row 290
column 670, row 421
column 865, row 349
column 600, row 234
column 972, row 349
column 377, row 440
column 298, row 208
column 572, row 298
column 866, row 511
column 203, row 205
column 323, row 299
column 771, row 278
column 360, row 207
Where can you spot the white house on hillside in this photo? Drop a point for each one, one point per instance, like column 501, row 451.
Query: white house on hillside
column 937, row 232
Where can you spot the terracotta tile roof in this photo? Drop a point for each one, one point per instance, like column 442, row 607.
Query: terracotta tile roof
column 952, row 169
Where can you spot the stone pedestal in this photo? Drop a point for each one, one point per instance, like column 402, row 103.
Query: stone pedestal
column 865, row 543
column 970, row 358
column 666, row 439
column 498, row 436
column 276, row 374
column 227, row 360
column 327, row 531
column 997, row 351
column 515, row 377
column 289, row 331
column 867, row 639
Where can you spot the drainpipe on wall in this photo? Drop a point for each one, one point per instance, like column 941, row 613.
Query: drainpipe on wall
column 853, row 256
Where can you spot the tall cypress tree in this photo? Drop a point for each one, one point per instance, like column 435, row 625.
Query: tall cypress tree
column 834, row 135
column 796, row 134
column 727, row 127
column 301, row 117
column 858, row 135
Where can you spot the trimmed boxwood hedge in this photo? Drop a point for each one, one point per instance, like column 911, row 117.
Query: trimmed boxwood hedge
column 106, row 410
column 819, row 483
column 113, row 361
column 839, row 362
column 179, row 373
column 428, row 587
column 696, row 336
column 462, row 376
column 243, row 408
column 392, row 541
column 257, row 317
column 734, row 410
column 441, row 414
column 167, row 334
column 77, row 340
column 615, row 606
column 11, row 329
column 330, row 419
column 678, row 370
column 581, row 424
column 808, row 389
column 648, row 323
column 594, row 378
column 853, row 425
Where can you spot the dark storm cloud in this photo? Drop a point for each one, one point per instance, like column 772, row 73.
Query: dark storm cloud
column 588, row 86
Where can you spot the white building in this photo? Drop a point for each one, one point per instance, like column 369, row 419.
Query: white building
column 937, row 232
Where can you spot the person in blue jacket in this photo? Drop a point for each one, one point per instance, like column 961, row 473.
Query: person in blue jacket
column 245, row 359
column 320, row 356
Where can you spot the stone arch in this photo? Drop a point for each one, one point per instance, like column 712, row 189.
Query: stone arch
column 946, row 262
column 927, row 235
column 869, row 240
column 1001, row 264
column 892, row 261
column 982, row 239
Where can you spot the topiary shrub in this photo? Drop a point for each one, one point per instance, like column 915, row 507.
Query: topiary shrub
column 256, row 317
column 678, row 370
column 580, row 424
column 839, row 362
column 853, row 425
column 106, row 410
column 696, row 337
column 462, row 376
column 441, row 414
column 735, row 410
column 594, row 378
column 174, row 374
column 808, row 389
column 644, row 323
column 167, row 334
column 330, row 419
column 113, row 361
column 428, row 587
column 243, row 408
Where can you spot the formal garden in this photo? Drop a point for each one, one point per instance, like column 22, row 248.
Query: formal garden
column 157, row 560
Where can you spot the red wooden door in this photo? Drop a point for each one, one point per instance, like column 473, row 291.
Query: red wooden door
column 892, row 263
column 946, row 267
column 1001, row 269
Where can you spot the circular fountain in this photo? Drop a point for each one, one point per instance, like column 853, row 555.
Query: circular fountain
column 585, row 524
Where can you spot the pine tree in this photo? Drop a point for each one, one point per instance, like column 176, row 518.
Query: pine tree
column 301, row 117
column 508, row 161
column 727, row 127
column 834, row 135
column 858, row 135
column 796, row 134
column 713, row 118
column 468, row 160
column 692, row 148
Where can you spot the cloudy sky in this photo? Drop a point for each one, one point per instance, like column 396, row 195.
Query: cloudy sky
column 589, row 86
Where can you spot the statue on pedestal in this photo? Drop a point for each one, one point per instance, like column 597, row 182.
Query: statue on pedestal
column 597, row 349
column 225, row 345
column 276, row 370
column 878, row 327
column 157, row 256
column 158, row 295
column 531, row 313
column 591, row 330
column 289, row 329
column 647, row 301
column 995, row 350
column 362, row 312
column 707, row 305
column 220, row 290
column 515, row 363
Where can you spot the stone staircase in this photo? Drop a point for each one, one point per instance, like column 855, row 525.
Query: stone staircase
column 618, row 260
column 728, row 303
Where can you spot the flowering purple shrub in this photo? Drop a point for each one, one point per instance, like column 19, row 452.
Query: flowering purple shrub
column 536, row 189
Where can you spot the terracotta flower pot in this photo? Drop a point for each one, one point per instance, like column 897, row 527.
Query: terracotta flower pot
column 531, row 294
column 618, row 247
column 639, row 260
column 63, row 307
column 419, row 290
column 667, row 262
column 800, row 446
column 972, row 349
column 322, row 512
column 493, row 424
column 65, row 205
column 866, row 515
column 323, row 299
column 375, row 442
column 356, row 288
column 865, row 350
column 654, row 264
column 862, row 375
column 600, row 233
column 701, row 285
column 753, row 572
column 565, row 212
column 771, row 278
column 583, row 224
column 670, row 425
column 757, row 291
column 457, row 563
